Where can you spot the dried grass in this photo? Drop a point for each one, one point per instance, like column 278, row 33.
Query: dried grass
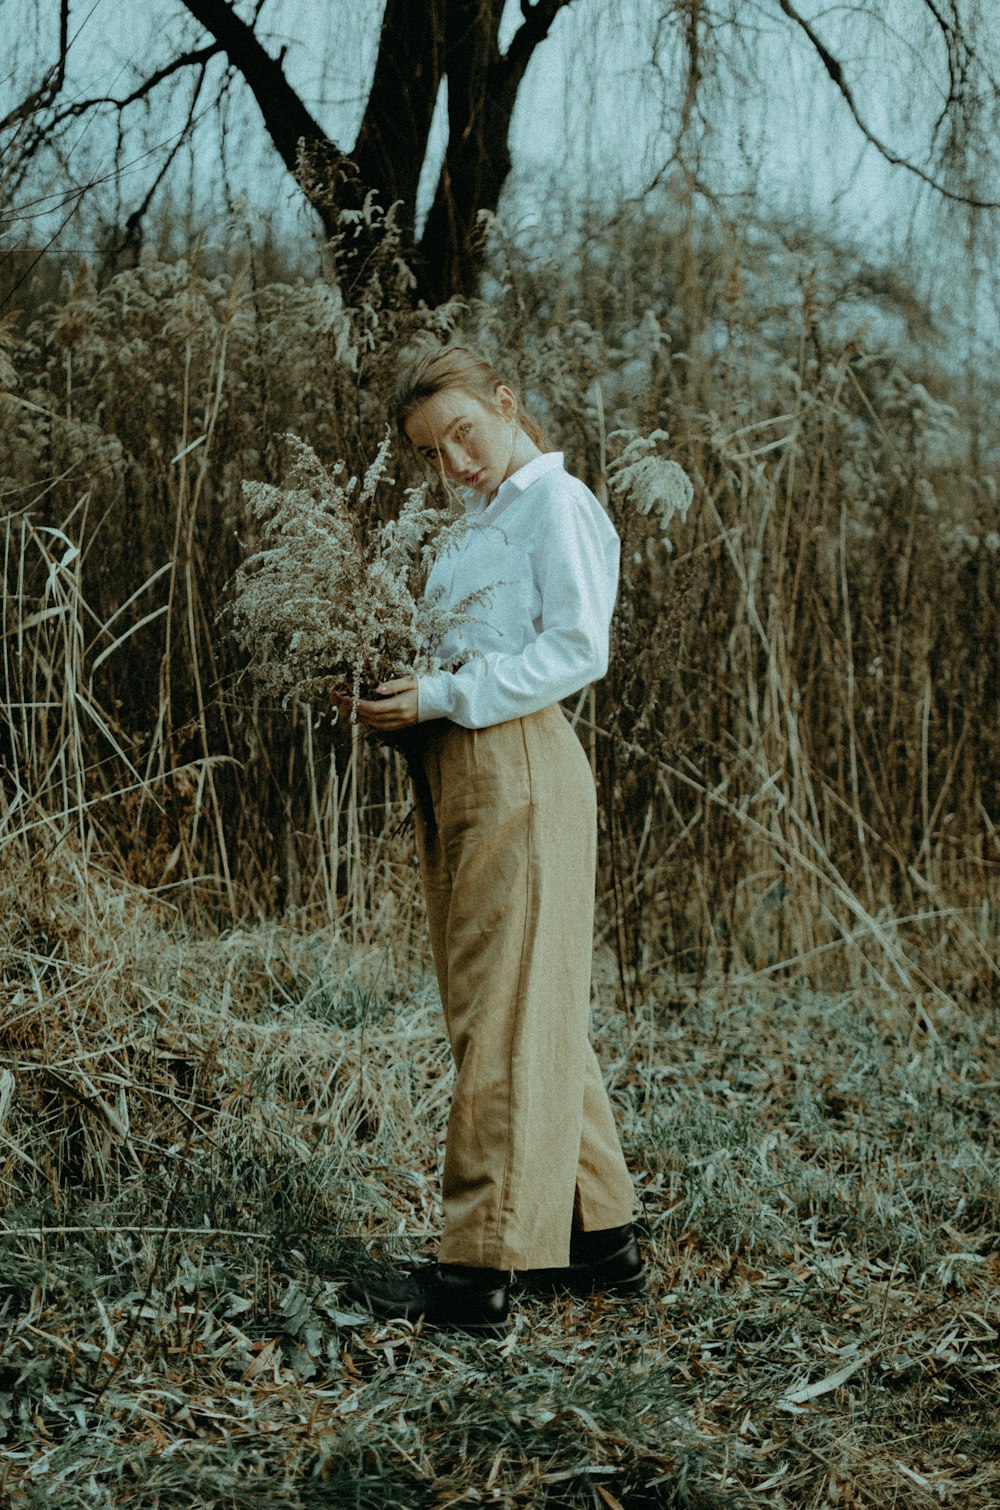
column 204, row 1139
column 798, row 745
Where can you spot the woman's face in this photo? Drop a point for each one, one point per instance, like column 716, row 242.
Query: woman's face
column 469, row 443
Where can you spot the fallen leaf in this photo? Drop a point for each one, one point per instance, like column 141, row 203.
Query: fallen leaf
column 825, row 1385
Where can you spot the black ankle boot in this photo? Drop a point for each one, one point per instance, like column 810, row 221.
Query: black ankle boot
column 594, row 1247
column 607, row 1261
column 445, row 1295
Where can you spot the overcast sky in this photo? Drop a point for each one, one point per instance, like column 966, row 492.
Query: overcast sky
column 593, row 109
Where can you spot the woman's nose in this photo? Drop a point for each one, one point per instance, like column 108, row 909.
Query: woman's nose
column 455, row 458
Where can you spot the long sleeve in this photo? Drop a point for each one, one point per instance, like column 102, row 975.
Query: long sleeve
column 574, row 551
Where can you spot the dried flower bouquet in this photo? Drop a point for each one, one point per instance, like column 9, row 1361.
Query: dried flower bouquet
column 323, row 604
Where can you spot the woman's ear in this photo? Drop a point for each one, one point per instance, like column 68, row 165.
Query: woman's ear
column 507, row 401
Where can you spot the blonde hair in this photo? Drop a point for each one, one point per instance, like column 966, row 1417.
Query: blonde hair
column 444, row 368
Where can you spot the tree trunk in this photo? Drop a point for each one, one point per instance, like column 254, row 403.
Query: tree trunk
column 392, row 143
column 419, row 45
column 477, row 158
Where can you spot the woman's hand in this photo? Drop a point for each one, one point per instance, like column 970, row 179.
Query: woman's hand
column 393, row 707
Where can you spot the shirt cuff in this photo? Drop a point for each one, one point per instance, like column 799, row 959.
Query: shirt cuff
column 435, row 696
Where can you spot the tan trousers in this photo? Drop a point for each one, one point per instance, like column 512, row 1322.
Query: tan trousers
column 506, row 834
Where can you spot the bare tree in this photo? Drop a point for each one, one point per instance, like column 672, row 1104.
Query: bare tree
column 425, row 45
column 420, row 46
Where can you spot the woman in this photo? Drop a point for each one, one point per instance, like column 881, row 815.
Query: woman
column 535, row 1189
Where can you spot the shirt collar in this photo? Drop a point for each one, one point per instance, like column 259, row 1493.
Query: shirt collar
column 516, row 483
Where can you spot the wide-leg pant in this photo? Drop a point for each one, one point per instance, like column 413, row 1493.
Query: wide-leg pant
column 506, row 835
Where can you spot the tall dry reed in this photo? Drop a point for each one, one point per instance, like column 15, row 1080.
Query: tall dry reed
column 797, row 745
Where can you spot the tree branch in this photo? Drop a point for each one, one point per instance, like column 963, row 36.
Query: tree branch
column 133, row 226
column 285, row 117
column 51, row 84
column 198, row 58
column 962, row 59
column 54, row 202
column 836, row 73
column 537, row 23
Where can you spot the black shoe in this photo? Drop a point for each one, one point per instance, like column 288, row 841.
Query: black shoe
column 608, row 1262
column 445, row 1295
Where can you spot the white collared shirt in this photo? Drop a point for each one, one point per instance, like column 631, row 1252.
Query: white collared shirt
column 545, row 555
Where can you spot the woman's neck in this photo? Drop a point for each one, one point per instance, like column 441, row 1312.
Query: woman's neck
column 522, row 451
